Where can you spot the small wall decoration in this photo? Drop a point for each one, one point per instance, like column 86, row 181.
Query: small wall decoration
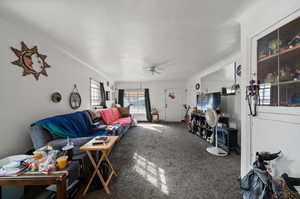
column 75, row 98
column 56, row 97
column 31, row 61
column 197, row 86
column 172, row 95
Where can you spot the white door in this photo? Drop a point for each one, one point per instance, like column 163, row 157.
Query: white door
column 174, row 111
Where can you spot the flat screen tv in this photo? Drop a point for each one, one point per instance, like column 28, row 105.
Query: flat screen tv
column 209, row 100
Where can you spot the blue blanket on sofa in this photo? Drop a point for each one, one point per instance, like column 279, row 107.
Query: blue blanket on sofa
column 71, row 125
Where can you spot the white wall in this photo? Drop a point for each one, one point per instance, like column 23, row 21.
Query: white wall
column 23, row 99
column 157, row 92
column 216, row 79
column 223, row 77
column 275, row 128
column 231, row 106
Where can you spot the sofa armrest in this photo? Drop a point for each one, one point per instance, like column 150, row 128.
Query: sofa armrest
column 78, row 142
column 39, row 136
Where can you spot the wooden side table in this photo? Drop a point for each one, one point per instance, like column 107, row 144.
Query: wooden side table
column 59, row 179
column 157, row 115
column 105, row 149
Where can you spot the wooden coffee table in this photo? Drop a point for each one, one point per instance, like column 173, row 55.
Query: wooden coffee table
column 105, row 149
column 59, row 179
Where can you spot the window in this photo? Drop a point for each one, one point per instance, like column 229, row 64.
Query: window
column 136, row 98
column 95, row 93
column 265, row 94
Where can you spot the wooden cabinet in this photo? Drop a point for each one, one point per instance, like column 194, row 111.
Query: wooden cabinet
column 278, row 66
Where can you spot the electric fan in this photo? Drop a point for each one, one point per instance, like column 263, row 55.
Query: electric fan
column 212, row 120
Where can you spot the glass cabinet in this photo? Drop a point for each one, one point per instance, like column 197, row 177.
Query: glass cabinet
column 278, row 66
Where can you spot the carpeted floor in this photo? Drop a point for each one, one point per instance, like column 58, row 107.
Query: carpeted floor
column 165, row 161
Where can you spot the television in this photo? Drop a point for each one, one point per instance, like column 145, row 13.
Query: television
column 209, row 100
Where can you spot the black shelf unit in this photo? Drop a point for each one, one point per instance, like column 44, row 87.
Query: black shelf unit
column 227, row 137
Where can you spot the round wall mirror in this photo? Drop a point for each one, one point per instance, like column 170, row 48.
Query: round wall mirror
column 56, row 97
column 75, row 100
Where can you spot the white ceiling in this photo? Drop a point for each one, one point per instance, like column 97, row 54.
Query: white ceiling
column 120, row 37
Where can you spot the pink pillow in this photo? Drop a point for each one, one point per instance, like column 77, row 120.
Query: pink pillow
column 115, row 114
column 109, row 115
column 106, row 116
column 123, row 121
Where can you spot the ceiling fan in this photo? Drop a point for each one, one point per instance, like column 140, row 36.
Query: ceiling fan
column 156, row 68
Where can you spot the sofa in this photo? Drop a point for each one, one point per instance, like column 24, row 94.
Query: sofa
column 80, row 127
column 113, row 117
column 109, row 122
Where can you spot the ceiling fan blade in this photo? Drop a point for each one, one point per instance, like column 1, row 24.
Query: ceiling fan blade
column 162, row 63
column 148, row 61
column 160, row 68
column 156, row 63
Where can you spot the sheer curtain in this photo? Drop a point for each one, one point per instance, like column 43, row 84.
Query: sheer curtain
column 135, row 98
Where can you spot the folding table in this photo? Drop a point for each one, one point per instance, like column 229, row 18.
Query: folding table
column 105, row 149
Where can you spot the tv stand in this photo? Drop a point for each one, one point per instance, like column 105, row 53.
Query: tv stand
column 227, row 137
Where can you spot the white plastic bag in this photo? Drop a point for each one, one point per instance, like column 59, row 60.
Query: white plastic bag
column 134, row 122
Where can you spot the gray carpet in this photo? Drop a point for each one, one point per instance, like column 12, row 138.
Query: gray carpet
column 165, row 161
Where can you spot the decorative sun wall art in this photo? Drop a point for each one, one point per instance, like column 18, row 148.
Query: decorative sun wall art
column 31, row 61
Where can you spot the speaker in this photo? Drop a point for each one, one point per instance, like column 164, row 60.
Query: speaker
column 224, row 91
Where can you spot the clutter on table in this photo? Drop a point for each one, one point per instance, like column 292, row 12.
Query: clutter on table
column 44, row 160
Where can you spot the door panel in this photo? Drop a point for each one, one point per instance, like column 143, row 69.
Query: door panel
column 174, row 110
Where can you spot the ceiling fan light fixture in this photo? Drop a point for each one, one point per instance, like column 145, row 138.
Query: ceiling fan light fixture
column 155, row 68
